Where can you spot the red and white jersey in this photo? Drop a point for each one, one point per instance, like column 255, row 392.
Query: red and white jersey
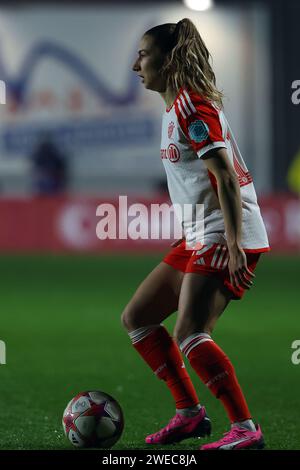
column 191, row 127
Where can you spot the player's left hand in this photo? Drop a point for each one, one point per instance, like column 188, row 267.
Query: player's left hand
column 240, row 275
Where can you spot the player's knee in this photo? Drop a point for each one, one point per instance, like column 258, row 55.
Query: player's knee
column 179, row 334
column 125, row 319
column 208, row 330
column 129, row 318
column 182, row 332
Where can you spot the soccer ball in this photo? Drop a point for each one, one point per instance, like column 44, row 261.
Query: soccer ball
column 93, row 419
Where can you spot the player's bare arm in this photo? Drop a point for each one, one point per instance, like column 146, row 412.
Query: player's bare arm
column 217, row 162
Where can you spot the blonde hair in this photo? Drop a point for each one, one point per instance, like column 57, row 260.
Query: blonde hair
column 187, row 59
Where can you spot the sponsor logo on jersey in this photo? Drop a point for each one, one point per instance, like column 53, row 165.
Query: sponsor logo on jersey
column 198, row 130
column 172, row 153
column 170, row 129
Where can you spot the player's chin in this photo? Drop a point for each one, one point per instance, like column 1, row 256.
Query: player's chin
column 150, row 86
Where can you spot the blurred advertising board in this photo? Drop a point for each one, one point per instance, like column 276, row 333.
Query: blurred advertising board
column 72, row 224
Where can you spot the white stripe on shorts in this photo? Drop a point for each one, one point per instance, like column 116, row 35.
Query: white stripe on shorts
column 221, row 257
column 218, row 249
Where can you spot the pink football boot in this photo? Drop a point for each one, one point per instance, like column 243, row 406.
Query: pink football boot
column 182, row 427
column 238, row 438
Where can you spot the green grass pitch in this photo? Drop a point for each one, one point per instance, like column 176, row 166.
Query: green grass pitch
column 60, row 320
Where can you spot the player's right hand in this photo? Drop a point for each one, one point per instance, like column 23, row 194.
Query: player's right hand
column 240, row 274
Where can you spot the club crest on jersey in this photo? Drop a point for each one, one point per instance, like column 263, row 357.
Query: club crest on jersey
column 170, row 129
column 198, row 131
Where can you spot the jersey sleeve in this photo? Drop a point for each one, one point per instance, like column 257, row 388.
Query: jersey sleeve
column 201, row 125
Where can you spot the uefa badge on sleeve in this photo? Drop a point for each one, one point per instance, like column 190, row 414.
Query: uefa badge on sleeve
column 198, row 131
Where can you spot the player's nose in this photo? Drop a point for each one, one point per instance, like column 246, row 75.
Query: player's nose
column 135, row 66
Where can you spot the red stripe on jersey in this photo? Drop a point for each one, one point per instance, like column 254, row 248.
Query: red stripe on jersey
column 237, row 167
column 244, row 177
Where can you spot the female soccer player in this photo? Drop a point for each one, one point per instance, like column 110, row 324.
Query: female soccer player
column 203, row 166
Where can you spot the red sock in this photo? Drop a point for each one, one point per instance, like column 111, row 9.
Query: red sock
column 162, row 354
column 216, row 371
